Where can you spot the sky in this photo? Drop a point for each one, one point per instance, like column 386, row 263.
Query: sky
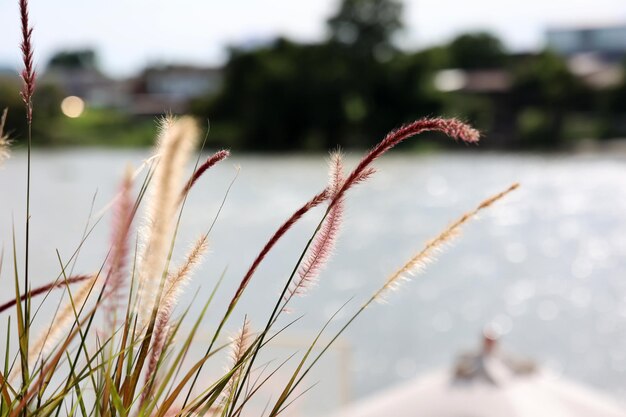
column 128, row 34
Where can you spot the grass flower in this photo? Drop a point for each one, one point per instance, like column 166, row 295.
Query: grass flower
column 430, row 251
column 120, row 248
column 174, row 287
column 239, row 345
column 453, row 128
column 209, row 163
column 28, row 73
column 324, row 244
column 175, row 142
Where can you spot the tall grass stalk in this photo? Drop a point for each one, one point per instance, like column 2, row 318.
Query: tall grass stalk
column 28, row 89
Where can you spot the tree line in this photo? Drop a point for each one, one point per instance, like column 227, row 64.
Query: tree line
column 354, row 86
column 357, row 84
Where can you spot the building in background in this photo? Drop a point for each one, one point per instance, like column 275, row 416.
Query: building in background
column 154, row 91
column 171, row 88
column 593, row 53
column 608, row 41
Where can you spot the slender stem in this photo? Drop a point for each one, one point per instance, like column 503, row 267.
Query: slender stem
column 27, row 239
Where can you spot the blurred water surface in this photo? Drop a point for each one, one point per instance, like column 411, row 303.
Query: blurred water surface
column 546, row 266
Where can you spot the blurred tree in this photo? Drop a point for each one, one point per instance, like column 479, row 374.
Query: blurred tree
column 280, row 97
column 353, row 88
column 367, row 27
column 544, row 92
column 46, row 111
column 477, row 51
column 288, row 96
column 612, row 106
column 347, row 91
column 10, row 99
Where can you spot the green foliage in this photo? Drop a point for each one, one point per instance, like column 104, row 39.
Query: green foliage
column 545, row 91
column 367, row 27
column 477, row 51
column 75, row 59
column 613, row 107
column 545, row 79
column 100, row 127
column 103, row 127
column 287, row 96
column 46, row 100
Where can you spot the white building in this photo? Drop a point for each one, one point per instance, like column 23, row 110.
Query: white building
column 609, row 40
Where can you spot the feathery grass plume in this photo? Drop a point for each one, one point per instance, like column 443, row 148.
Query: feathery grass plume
column 322, row 247
column 174, row 287
column 28, row 73
column 239, row 345
column 118, row 258
column 211, row 160
column 147, row 163
column 427, row 255
column 64, row 319
column 451, row 127
column 45, row 289
column 176, row 140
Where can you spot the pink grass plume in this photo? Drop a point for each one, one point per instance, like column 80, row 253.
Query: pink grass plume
column 324, row 244
column 453, row 128
column 28, row 73
column 45, row 289
column 209, row 163
column 117, row 261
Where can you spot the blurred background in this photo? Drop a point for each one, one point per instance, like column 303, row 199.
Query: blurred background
column 276, row 76
column 281, row 82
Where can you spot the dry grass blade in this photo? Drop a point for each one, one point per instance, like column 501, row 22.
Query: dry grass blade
column 4, row 138
column 429, row 252
column 45, row 289
column 50, row 336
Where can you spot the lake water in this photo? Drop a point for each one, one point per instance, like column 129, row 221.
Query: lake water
column 545, row 266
